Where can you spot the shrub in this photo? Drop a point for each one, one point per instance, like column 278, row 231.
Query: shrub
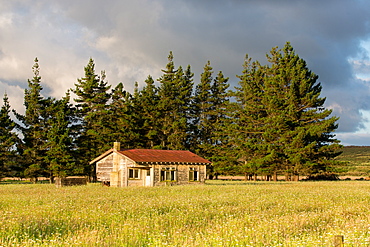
column 329, row 176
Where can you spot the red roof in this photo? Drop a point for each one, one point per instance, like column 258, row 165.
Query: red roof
column 155, row 155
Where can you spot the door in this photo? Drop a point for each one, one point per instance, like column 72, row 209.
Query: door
column 148, row 179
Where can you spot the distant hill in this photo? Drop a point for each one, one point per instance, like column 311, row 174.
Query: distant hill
column 356, row 160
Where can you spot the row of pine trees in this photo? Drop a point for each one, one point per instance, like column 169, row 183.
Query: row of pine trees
column 273, row 122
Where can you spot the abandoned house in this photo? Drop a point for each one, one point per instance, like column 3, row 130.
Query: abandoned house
column 149, row 167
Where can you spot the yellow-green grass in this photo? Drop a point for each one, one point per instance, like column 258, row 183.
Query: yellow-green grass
column 214, row 214
column 355, row 161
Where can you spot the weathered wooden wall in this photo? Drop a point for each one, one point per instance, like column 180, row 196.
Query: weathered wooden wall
column 182, row 174
column 103, row 168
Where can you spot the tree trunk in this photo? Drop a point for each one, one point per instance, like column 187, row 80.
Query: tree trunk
column 34, row 180
column 275, row 176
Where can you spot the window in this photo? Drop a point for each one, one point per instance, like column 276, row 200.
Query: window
column 168, row 174
column 133, row 173
column 193, row 174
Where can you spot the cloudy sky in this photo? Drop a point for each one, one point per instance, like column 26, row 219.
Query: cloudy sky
column 131, row 40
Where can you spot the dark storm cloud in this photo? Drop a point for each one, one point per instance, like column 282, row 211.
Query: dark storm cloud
column 131, row 39
column 325, row 33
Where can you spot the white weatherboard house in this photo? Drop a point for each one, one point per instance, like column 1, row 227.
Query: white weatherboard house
column 149, row 167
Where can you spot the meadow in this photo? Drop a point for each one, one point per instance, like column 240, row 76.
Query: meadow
column 355, row 161
column 218, row 213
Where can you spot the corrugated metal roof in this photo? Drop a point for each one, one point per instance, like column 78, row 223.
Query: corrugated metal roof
column 155, row 155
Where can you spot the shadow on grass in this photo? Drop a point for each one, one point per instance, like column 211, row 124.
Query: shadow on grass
column 242, row 182
column 22, row 181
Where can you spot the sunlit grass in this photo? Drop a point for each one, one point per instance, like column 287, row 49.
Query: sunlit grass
column 215, row 214
column 355, row 161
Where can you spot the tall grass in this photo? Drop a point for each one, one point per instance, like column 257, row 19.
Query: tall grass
column 215, row 214
column 355, row 161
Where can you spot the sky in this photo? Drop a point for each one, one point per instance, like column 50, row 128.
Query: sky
column 130, row 40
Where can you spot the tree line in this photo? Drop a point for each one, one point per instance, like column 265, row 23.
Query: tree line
column 273, row 122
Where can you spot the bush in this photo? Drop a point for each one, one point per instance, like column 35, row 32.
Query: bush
column 323, row 176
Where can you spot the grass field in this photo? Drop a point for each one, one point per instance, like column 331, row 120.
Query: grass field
column 215, row 214
column 356, row 161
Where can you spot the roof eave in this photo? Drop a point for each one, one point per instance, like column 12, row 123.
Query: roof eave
column 102, row 156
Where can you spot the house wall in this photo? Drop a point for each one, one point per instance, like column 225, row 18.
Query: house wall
column 182, row 174
column 134, row 182
column 122, row 170
column 103, row 168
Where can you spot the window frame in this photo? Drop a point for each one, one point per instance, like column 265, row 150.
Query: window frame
column 135, row 175
column 193, row 174
column 168, row 174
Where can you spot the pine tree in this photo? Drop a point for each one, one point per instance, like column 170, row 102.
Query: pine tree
column 92, row 108
column 60, row 148
column 246, row 118
column 306, row 138
column 278, row 122
column 220, row 101
column 174, row 103
column 208, row 114
column 179, row 139
column 8, row 139
column 209, row 104
column 186, row 85
column 122, row 118
column 150, row 114
column 33, row 127
column 202, row 129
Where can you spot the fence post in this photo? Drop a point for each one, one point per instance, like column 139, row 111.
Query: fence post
column 338, row 241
